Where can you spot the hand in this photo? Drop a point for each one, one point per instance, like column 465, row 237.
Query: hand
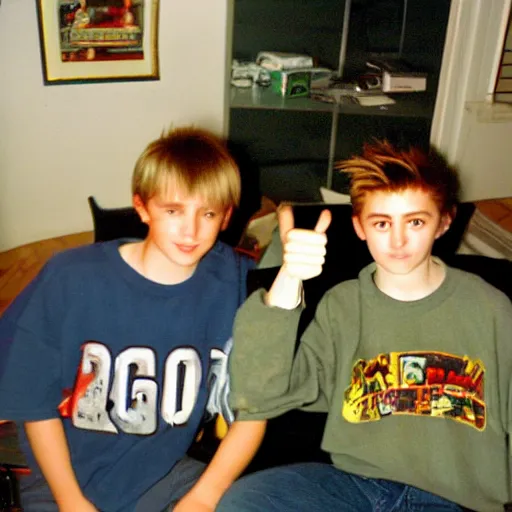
column 303, row 249
column 191, row 503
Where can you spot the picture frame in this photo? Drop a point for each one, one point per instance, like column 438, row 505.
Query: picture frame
column 87, row 41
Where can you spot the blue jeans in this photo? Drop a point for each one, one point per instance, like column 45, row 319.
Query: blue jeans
column 317, row 487
column 37, row 497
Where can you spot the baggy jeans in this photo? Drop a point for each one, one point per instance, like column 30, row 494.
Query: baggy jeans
column 317, row 487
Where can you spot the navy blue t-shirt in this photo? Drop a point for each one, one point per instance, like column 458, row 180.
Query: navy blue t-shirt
column 136, row 353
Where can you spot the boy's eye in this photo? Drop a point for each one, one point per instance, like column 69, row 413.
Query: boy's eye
column 172, row 211
column 210, row 215
column 381, row 225
column 416, row 223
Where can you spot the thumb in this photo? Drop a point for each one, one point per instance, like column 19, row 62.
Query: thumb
column 323, row 222
column 285, row 219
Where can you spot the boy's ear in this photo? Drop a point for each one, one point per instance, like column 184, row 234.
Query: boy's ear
column 140, row 208
column 358, row 227
column 445, row 223
column 227, row 218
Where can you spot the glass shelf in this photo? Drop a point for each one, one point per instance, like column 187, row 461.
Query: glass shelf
column 407, row 104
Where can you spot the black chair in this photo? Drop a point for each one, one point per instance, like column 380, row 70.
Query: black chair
column 113, row 223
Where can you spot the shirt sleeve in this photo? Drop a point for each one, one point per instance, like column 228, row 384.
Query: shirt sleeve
column 268, row 377
column 30, row 359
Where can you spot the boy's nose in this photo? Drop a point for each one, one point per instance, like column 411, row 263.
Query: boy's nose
column 190, row 226
column 398, row 237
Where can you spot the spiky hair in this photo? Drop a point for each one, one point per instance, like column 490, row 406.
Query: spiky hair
column 382, row 167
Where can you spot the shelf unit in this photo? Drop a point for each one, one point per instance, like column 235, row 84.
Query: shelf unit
column 407, row 105
column 276, row 129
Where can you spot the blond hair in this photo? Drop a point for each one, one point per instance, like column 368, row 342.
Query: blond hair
column 382, row 167
column 192, row 160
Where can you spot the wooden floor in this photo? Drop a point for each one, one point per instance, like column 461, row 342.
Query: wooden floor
column 500, row 211
column 20, row 265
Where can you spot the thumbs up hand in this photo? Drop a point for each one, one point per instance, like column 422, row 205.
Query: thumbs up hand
column 303, row 258
column 303, row 249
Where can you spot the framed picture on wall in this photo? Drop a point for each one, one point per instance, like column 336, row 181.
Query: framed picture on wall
column 98, row 40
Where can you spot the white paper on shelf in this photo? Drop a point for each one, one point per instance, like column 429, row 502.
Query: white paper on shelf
column 374, row 100
column 277, row 61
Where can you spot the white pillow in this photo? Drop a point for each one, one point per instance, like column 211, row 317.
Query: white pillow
column 331, row 197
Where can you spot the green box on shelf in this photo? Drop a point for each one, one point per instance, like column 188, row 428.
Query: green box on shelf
column 291, row 83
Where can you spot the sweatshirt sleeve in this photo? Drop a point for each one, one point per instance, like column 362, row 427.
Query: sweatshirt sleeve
column 509, row 433
column 267, row 377
column 503, row 331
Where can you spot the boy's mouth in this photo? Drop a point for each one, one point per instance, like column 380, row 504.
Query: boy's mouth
column 399, row 256
column 187, row 248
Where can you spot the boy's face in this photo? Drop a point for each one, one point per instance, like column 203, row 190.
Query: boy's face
column 400, row 229
column 182, row 229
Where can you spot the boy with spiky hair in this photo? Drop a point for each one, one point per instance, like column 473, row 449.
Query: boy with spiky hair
column 412, row 361
column 134, row 332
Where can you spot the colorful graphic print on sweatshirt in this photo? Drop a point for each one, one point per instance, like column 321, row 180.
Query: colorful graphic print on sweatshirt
column 417, row 383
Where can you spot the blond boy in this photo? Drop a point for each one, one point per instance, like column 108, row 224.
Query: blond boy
column 129, row 331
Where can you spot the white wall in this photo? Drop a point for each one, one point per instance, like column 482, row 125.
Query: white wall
column 475, row 134
column 61, row 143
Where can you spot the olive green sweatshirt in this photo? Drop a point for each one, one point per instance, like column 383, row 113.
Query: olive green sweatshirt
column 416, row 392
